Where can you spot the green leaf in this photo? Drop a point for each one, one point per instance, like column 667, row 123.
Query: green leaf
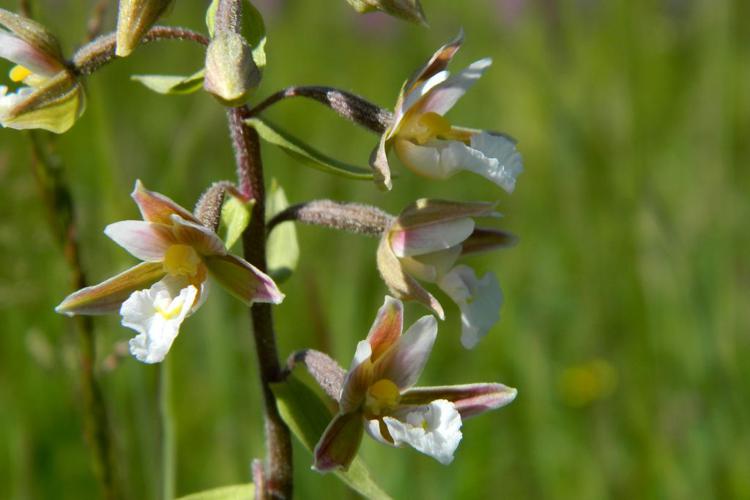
column 253, row 29
column 234, row 492
column 305, row 153
column 172, row 84
column 282, row 249
column 235, row 216
column 255, row 33
column 307, row 417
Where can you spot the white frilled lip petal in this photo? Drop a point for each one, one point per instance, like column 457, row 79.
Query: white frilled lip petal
column 502, row 161
column 147, row 241
column 434, row 429
column 492, row 156
column 143, row 312
column 201, row 238
column 404, row 363
column 23, row 53
column 430, row 238
column 444, row 95
column 479, row 300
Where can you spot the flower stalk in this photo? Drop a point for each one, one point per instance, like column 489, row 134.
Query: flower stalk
column 347, row 105
column 101, row 51
column 246, row 146
column 58, row 200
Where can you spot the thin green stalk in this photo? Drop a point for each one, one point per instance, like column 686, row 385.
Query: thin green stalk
column 58, row 199
column 168, row 442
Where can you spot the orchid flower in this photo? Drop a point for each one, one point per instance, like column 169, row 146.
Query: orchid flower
column 427, row 143
column 178, row 254
column 50, row 96
column 378, row 396
column 424, row 243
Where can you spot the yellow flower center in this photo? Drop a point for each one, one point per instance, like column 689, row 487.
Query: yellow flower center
column 169, row 309
column 181, row 260
column 428, row 126
column 19, row 73
column 382, row 395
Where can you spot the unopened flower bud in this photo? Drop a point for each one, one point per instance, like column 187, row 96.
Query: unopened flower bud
column 409, row 10
column 231, row 73
column 134, row 19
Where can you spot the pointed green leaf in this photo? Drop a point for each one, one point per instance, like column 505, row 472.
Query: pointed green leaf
column 282, row 249
column 234, row 492
column 211, row 17
column 255, row 32
column 235, row 216
column 172, row 84
column 305, row 153
column 253, row 29
column 307, row 416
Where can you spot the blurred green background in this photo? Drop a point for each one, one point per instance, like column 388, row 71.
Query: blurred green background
column 626, row 327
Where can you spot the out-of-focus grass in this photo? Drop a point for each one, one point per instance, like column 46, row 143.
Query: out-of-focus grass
column 626, row 327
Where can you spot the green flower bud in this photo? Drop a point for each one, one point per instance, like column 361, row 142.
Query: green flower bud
column 134, row 19
column 409, row 10
column 231, row 73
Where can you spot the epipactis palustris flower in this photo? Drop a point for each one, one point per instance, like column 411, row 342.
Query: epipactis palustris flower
column 155, row 296
column 424, row 243
column 427, row 143
column 49, row 96
column 378, row 396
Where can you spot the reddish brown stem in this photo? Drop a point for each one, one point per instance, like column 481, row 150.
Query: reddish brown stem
column 246, row 144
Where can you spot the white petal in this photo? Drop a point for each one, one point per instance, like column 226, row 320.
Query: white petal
column 433, row 429
column 156, row 314
column 492, row 156
column 416, row 94
column 147, row 241
column 502, row 159
column 429, row 238
column 9, row 101
column 443, row 96
column 23, row 53
column 427, row 160
column 479, row 301
column 372, row 427
column 404, row 363
column 441, row 262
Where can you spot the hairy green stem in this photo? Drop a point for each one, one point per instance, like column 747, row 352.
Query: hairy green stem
column 101, row 51
column 58, row 199
column 347, row 105
column 246, row 144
